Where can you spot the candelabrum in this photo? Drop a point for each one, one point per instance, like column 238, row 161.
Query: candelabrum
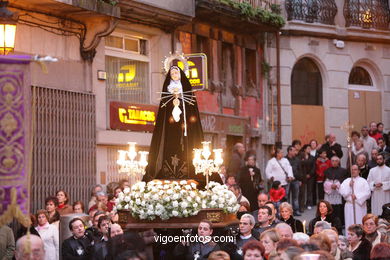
column 127, row 162
column 206, row 165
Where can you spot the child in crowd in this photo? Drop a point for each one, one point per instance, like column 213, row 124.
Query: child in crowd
column 277, row 193
column 322, row 163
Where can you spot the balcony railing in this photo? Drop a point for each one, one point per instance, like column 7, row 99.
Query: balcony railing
column 367, row 14
column 310, row 11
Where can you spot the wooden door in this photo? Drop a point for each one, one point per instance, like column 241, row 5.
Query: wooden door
column 308, row 123
column 364, row 107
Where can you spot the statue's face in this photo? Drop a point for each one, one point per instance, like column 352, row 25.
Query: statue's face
column 175, row 74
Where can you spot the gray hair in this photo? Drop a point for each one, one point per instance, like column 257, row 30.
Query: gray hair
column 251, row 218
column 323, row 225
column 343, row 239
column 101, row 193
column 300, row 236
column 284, row 226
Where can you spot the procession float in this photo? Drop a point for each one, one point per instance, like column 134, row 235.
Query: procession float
column 180, row 184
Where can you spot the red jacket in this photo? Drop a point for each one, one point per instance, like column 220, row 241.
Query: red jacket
column 320, row 169
column 277, row 195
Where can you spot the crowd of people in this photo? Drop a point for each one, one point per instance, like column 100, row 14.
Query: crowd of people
column 352, row 219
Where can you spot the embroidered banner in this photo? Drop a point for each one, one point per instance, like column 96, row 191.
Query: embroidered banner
column 14, row 177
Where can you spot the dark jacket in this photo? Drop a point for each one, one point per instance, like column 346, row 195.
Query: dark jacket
column 333, row 220
column 295, row 224
column 332, row 150
column 236, row 162
column 188, row 252
column 338, row 173
column 294, row 162
column 249, row 188
column 77, row 249
column 307, row 167
column 363, row 250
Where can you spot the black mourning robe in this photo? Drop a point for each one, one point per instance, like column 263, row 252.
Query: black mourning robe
column 171, row 153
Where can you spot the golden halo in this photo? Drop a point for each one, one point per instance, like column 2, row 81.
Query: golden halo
column 167, row 63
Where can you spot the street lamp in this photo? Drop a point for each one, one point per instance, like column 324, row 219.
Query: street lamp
column 7, row 29
column 127, row 162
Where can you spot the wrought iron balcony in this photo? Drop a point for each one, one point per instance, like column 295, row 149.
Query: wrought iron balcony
column 310, row 11
column 367, row 14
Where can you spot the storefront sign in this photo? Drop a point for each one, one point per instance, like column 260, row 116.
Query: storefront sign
column 197, row 70
column 135, row 117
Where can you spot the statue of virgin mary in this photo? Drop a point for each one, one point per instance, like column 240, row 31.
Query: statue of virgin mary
column 177, row 132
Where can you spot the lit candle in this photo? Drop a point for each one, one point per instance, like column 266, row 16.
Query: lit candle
column 206, row 150
column 132, row 152
column 304, row 226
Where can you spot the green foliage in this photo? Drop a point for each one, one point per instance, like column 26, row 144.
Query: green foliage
column 265, row 68
column 111, row 2
column 272, row 17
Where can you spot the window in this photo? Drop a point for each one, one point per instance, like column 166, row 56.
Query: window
column 127, row 81
column 250, row 73
column 306, row 83
column 127, row 44
column 359, row 76
column 127, row 67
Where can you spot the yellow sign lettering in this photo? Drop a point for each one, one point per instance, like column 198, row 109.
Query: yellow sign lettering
column 135, row 116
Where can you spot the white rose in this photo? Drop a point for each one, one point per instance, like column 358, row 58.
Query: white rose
column 166, row 181
column 118, row 206
column 214, row 197
column 156, row 197
column 121, row 196
column 175, row 213
column 143, row 203
column 126, row 190
column 175, row 196
column 175, row 204
column 126, row 206
column 127, row 198
column 169, row 192
column 183, row 182
column 167, row 198
column 230, row 209
column 150, row 212
column 195, row 205
column 184, row 204
column 161, row 192
column 138, row 201
column 220, row 206
column 193, row 185
column 213, row 203
column 188, row 187
column 185, row 212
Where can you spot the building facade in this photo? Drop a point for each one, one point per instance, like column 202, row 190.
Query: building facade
column 334, row 60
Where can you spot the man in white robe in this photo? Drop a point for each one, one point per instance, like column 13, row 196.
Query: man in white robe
column 361, row 193
column 379, row 182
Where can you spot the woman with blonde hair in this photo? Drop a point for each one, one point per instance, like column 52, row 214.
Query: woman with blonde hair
column 269, row 239
column 286, row 215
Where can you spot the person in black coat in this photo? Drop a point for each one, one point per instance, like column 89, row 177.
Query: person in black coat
column 307, row 168
column 250, row 181
column 80, row 245
column 286, row 215
column 332, row 148
column 358, row 245
column 325, row 213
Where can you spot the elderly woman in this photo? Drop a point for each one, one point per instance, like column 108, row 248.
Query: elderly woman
column 370, row 226
column 269, row 239
column 324, row 213
column 49, row 235
column 253, row 250
column 63, row 200
column 78, row 207
column 286, row 215
column 358, row 245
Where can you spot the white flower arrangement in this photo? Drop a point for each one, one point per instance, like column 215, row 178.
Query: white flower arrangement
column 166, row 199
column 219, row 196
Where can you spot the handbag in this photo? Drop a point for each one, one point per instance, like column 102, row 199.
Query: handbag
column 287, row 179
